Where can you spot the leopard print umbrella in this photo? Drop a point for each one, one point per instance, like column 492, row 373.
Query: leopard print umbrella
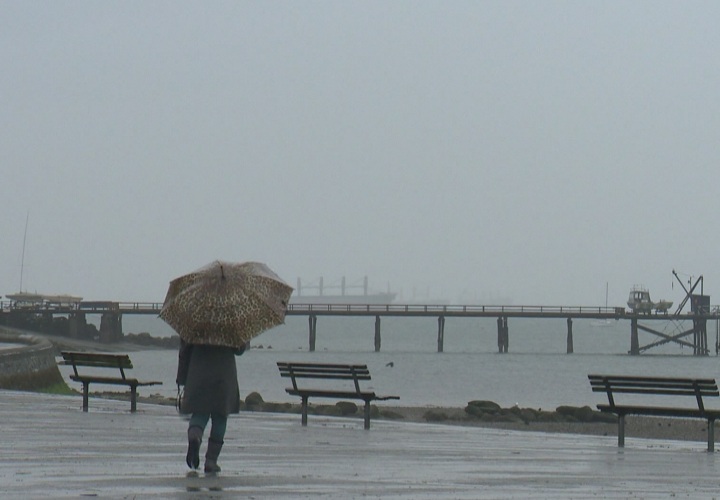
column 226, row 303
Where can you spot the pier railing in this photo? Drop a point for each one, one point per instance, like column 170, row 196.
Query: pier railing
column 443, row 308
column 456, row 310
column 298, row 309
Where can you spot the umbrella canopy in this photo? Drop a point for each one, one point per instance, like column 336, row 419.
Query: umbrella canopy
column 226, row 303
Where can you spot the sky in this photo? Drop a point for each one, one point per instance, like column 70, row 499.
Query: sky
column 477, row 152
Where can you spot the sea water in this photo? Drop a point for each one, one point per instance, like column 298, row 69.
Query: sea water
column 537, row 372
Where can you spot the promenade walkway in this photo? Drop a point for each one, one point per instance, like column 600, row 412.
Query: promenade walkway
column 51, row 449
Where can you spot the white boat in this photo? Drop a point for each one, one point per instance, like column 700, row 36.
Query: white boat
column 639, row 301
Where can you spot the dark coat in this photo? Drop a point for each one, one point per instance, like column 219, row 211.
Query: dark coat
column 210, row 378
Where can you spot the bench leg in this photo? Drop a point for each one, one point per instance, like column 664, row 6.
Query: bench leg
column 86, row 390
column 711, row 436
column 304, row 410
column 621, row 431
column 367, row 415
column 133, row 399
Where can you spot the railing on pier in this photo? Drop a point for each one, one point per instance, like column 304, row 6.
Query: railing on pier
column 456, row 310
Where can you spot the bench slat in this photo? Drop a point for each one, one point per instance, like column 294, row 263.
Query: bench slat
column 97, row 359
column 113, row 380
column 327, row 376
column 322, row 366
column 659, row 391
column 659, row 411
column 324, row 371
column 625, row 379
column 331, row 394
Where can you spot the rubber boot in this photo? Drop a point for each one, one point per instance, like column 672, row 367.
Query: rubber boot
column 213, row 452
column 193, row 454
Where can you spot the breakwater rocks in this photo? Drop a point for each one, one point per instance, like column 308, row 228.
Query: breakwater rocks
column 27, row 362
column 476, row 412
column 489, row 411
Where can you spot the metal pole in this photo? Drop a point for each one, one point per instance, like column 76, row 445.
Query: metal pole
column 634, row 343
column 377, row 334
column 312, row 325
column 441, row 333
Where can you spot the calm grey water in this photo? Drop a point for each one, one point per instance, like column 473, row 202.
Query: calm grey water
column 536, row 373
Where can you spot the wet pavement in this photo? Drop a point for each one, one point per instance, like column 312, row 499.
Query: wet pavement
column 51, row 449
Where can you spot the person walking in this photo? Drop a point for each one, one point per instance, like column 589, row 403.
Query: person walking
column 211, row 393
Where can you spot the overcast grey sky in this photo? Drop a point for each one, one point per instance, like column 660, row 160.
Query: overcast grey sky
column 472, row 151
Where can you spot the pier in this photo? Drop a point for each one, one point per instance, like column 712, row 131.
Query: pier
column 695, row 336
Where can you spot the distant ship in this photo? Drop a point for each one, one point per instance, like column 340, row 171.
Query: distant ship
column 371, row 298
column 318, row 295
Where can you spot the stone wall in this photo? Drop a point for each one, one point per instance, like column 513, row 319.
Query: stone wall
column 27, row 362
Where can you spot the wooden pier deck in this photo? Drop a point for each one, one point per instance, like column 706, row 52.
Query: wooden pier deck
column 112, row 312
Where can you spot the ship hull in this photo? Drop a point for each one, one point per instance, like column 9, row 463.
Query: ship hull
column 374, row 298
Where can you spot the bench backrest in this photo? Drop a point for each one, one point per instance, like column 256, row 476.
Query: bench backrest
column 97, row 360
column 613, row 384
column 327, row 371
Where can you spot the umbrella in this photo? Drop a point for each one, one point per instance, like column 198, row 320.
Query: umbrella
column 226, row 303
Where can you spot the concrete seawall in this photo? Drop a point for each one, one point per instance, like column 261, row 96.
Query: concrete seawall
column 27, row 362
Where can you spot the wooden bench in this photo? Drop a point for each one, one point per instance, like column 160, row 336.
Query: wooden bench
column 657, row 386
column 352, row 374
column 100, row 360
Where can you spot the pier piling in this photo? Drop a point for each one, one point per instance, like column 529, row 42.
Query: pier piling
column 503, row 334
column 312, row 325
column 377, row 334
column 634, row 342
column 441, row 333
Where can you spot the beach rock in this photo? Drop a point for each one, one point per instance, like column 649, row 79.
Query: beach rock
column 577, row 414
column 529, row 414
column 479, row 408
column 507, row 416
column 253, row 400
column 329, row 410
column 346, row 407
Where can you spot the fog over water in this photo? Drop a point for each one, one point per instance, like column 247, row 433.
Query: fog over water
column 474, row 152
